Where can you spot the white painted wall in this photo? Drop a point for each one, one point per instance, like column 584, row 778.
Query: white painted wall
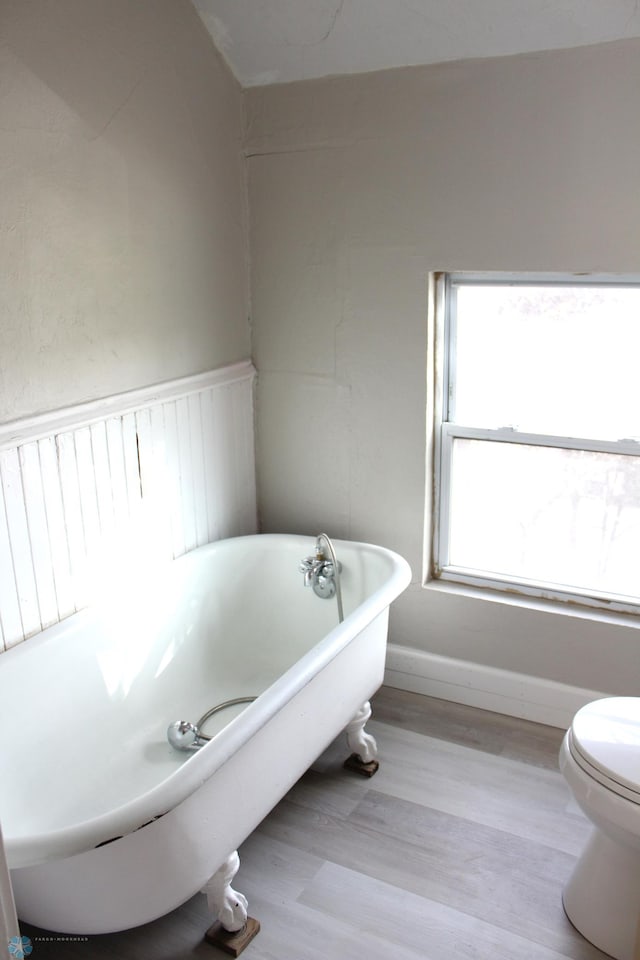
column 122, row 201
column 358, row 187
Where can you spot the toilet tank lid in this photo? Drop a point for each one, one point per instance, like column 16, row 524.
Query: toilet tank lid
column 607, row 734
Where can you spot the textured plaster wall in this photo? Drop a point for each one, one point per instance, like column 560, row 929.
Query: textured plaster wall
column 122, row 207
column 358, row 187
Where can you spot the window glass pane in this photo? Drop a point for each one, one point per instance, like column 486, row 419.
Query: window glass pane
column 564, row 517
column 561, row 359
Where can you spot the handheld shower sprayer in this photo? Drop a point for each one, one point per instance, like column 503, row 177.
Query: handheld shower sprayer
column 184, row 735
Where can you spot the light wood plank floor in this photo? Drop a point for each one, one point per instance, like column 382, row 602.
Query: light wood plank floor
column 457, row 849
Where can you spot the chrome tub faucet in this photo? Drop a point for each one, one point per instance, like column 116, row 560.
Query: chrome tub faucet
column 323, row 573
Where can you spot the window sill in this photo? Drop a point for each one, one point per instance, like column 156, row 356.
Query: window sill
column 565, row 608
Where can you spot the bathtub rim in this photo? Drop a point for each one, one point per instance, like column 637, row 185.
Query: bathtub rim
column 127, row 818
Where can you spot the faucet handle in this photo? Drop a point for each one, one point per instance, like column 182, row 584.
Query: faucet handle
column 308, row 567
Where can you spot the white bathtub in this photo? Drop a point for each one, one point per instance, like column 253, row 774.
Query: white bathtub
column 107, row 826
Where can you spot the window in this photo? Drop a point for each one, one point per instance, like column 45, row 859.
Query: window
column 538, row 421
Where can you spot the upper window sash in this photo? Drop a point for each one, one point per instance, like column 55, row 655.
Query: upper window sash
column 527, row 345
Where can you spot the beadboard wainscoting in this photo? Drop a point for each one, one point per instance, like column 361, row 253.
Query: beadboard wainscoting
column 88, row 492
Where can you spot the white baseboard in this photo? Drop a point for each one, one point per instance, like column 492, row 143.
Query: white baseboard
column 502, row 691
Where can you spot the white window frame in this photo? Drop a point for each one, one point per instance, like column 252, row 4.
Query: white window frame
column 446, row 431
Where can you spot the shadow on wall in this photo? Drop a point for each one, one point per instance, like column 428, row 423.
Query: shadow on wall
column 97, row 56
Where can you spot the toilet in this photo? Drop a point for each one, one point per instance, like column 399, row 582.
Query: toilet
column 600, row 760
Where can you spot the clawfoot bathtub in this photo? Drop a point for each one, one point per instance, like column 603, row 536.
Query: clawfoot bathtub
column 106, row 825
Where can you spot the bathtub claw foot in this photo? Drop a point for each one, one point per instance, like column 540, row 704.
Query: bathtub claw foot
column 233, row 929
column 364, row 748
column 359, row 766
column 232, row 943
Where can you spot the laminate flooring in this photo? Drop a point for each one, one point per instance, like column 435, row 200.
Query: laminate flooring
column 457, row 849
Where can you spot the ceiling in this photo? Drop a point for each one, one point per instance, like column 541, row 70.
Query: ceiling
column 278, row 41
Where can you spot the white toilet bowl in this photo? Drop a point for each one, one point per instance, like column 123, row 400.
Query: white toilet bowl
column 600, row 760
